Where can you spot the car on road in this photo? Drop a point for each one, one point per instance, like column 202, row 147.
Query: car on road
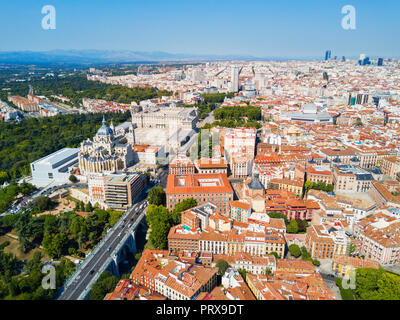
column 130, row 225
column 92, row 271
column 122, row 226
column 109, row 249
column 131, row 220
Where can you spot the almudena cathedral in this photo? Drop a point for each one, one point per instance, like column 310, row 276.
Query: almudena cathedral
column 154, row 130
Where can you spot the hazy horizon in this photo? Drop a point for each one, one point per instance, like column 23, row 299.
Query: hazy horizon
column 289, row 29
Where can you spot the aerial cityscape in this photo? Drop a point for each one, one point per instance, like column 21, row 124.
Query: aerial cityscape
column 208, row 175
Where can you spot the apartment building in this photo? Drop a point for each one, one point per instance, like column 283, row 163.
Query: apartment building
column 117, row 191
column 203, row 188
column 391, row 166
column 320, row 174
column 324, row 242
column 233, row 287
column 24, row 104
column 383, row 196
column 289, row 286
column 127, row 290
column 198, row 217
column 379, row 238
column 338, row 155
column 226, row 236
column 171, row 277
column 213, row 165
column 181, row 165
column 241, row 165
column 182, row 238
column 182, row 281
column 240, row 211
column 244, row 260
column 351, row 178
column 342, row 265
column 294, row 266
column 293, row 186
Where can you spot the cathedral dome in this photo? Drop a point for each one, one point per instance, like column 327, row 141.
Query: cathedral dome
column 104, row 130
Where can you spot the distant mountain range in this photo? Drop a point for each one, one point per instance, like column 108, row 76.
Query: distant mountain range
column 111, row 56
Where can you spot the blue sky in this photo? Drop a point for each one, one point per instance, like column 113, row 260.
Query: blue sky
column 262, row 28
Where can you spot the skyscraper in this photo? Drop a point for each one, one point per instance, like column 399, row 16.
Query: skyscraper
column 380, row 62
column 235, row 79
column 328, row 54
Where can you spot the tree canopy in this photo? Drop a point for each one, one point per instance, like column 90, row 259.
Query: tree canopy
column 156, row 196
column 34, row 138
column 294, row 250
column 222, row 266
column 292, row 227
column 105, row 284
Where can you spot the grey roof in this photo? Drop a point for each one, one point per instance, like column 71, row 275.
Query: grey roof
column 255, row 183
column 364, row 177
column 104, row 130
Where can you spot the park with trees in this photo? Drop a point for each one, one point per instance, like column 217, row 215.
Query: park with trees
column 23, row 280
column 76, row 87
column 34, row 138
column 58, row 235
column 372, row 284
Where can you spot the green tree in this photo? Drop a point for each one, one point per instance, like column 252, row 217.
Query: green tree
column 157, row 213
column 114, row 216
column 3, row 177
column 156, row 196
column 308, row 186
column 305, row 255
column 55, row 246
column 42, row 203
column 138, row 256
column 158, row 235
column 302, row 225
column 352, row 249
column 222, row 266
column 73, row 178
column 268, row 272
column 88, row 207
column 242, row 272
column 105, row 284
column 76, row 225
column 316, row 262
column 294, row 250
column 275, row 254
column 292, row 227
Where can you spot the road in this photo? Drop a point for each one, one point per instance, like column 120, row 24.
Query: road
column 209, row 119
column 46, row 191
column 85, row 275
column 331, row 284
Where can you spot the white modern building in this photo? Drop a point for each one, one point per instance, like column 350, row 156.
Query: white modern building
column 55, row 167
